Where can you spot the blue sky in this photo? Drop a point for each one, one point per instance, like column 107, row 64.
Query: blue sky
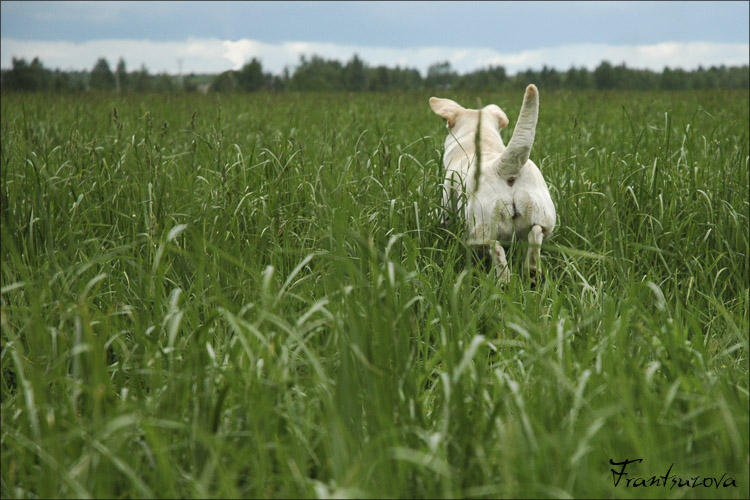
column 216, row 36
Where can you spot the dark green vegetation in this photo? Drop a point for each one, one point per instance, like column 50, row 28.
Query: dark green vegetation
column 250, row 296
column 319, row 74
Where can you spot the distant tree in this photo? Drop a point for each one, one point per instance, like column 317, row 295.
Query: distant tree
column 317, row 74
column 699, row 79
column 644, row 80
column 189, row 84
column 604, row 76
column 577, row 79
column 164, row 83
column 623, row 77
column 440, row 76
column 483, row 79
column 280, row 82
column 715, row 76
column 737, row 77
column 40, row 76
column 101, row 77
column 277, row 83
column 405, row 79
column 379, row 79
column 550, row 78
column 355, row 77
column 61, row 81
column 522, row 79
column 672, row 79
column 140, row 81
column 121, row 76
column 225, row 82
column 28, row 77
column 250, row 77
column 77, row 80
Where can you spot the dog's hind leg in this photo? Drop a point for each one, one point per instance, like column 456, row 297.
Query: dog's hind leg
column 535, row 242
column 501, row 263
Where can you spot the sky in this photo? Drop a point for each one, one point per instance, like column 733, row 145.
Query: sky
column 211, row 37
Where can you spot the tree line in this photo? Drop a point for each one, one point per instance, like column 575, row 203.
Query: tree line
column 319, row 74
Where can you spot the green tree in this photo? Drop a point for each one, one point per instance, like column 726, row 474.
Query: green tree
column 277, row 83
column 189, row 84
column 490, row 78
column 28, row 77
column 354, row 74
column 522, row 79
column 673, row 79
column 250, row 77
column 405, row 79
column 550, row 78
column 317, row 74
column 577, row 79
column 735, row 77
column 699, row 79
column 604, row 76
column 60, row 81
column 440, row 76
column 101, row 77
column 164, row 83
column 121, row 76
column 225, row 82
column 379, row 79
column 140, row 81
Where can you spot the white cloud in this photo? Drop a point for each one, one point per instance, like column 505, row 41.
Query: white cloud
column 197, row 55
column 211, row 55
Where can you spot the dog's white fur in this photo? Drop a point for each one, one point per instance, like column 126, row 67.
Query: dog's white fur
column 505, row 193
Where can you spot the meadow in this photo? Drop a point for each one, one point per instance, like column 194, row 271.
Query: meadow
column 251, row 296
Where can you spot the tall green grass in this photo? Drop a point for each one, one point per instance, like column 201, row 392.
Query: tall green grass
column 251, row 296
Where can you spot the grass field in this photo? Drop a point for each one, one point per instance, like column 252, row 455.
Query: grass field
column 250, row 296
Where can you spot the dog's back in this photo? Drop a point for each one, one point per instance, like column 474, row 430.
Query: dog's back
column 505, row 195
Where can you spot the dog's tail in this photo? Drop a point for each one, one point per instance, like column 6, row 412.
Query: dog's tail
column 517, row 153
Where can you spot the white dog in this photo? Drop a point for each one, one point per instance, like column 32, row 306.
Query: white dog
column 504, row 192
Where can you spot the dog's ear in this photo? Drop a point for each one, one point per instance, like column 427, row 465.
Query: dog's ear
column 447, row 109
column 498, row 114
